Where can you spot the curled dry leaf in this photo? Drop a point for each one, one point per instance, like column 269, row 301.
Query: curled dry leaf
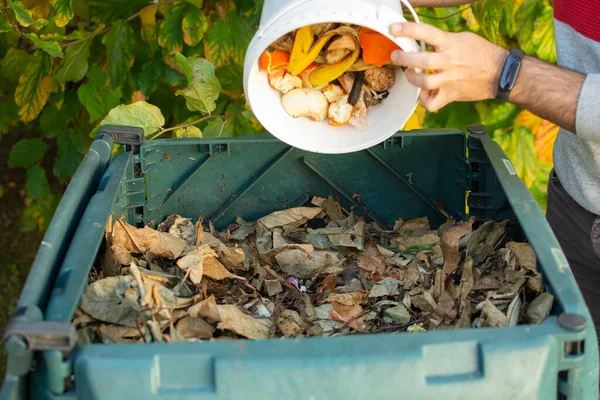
column 194, row 261
column 136, row 240
column 232, row 318
column 348, row 299
column 194, row 328
column 371, row 260
column 289, row 323
column 405, row 242
column 348, row 314
column 179, row 227
column 524, row 254
column 450, row 238
column 301, row 264
column 293, row 216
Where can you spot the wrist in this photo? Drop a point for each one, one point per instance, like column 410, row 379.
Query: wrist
column 498, row 62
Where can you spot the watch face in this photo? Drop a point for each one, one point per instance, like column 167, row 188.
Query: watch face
column 509, row 74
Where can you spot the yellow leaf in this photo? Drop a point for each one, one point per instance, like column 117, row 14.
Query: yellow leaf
column 148, row 19
column 529, row 120
column 416, row 120
column 34, row 87
column 37, row 8
column 545, row 137
column 62, row 11
column 470, row 19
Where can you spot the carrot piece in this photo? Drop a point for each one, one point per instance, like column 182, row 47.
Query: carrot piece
column 273, row 61
column 376, row 48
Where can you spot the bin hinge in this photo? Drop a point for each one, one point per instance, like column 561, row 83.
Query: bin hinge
column 23, row 336
column 131, row 137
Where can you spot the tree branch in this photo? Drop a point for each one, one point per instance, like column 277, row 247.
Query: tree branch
column 223, row 117
column 16, row 26
column 107, row 29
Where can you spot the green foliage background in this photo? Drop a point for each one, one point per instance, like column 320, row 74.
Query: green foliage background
column 175, row 68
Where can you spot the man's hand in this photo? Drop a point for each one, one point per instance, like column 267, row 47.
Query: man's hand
column 468, row 66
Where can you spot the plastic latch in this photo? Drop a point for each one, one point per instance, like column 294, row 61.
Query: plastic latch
column 129, row 136
column 477, row 129
column 23, row 336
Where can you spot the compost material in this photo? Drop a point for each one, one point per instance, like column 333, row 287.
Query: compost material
column 331, row 71
column 308, row 271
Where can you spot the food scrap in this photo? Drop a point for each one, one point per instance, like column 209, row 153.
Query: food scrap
column 307, row 271
column 351, row 65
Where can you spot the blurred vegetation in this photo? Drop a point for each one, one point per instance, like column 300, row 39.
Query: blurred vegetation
column 175, row 68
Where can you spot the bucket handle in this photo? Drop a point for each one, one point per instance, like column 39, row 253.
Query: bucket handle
column 415, row 17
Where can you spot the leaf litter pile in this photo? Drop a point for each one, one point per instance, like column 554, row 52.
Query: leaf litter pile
column 306, row 271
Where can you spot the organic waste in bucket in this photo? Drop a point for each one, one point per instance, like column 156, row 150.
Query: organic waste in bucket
column 280, row 17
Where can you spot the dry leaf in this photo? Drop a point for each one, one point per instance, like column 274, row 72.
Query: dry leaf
column 289, row 323
column 524, row 255
column 136, row 240
column 328, row 283
column 405, row 242
column 332, row 209
column 196, row 328
column 466, row 283
column 539, row 309
column 348, row 299
column 386, row 287
column 115, row 257
column 81, row 318
column 233, row 319
column 344, row 313
column 104, row 300
column 289, row 216
column 370, row 260
column 215, row 270
column 194, row 261
column 119, row 334
column 446, row 306
column 450, row 239
column 182, row 228
column 494, row 317
column 301, row 265
column 232, row 258
column 412, row 225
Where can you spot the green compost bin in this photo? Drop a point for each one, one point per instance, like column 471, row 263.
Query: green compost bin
column 412, row 174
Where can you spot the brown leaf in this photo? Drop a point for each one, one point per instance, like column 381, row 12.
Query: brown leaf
column 494, row 317
column 290, row 216
column 411, row 275
column 425, row 302
column 344, row 313
column 404, row 241
column 289, row 323
column 119, row 334
column 466, row 283
column 194, row 261
column 371, row 260
column 328, row 283
column 446, row 306
column 524, row 254
column 412, row 225
column 301, row 265
column 215, row 270
column 195, row 328
column 349, row 299
column 115, row 256
column 136, row 240
column 535, row 284
column 233, row 319
column 450, row 239
column 332, row 209
column 81, row 318
column 232, row 258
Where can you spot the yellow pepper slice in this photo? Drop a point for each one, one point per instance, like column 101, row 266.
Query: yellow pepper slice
column 329, row 72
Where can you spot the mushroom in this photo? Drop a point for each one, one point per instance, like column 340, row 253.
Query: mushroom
column 305, row 102
column 340, row 111
column 339, row 49
column 333, row 93
column 380, row 79
column 284, row 81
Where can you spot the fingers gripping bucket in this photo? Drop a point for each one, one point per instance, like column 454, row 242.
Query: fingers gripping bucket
column 279, row 17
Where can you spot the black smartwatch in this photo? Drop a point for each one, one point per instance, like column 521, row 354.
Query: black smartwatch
column 509, row 74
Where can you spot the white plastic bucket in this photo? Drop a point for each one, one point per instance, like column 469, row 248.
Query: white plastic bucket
column 279, row 17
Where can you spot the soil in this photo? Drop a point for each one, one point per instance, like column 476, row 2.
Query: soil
column 17, row 249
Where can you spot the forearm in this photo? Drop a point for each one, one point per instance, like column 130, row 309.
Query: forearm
column 439, row 3
column 548, row 91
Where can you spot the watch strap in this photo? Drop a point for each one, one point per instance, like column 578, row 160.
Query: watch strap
column 509, row 73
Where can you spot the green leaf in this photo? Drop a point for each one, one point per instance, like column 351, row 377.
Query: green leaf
column 508, row 24
column 148, row 78
column 215, row 128
column 54, row 121
column 241, row 124
column 38, row 213
column 8, row 114
column 489, row 14
column 453, row 116
column 61, row 37
column 51, row 47
column 231, row 77
column 75, row 64
column 203, row 86
column 188, row 132
column 119, row 43
column 141, row 114
column 526, row 17
column 5, row 25
column 1, row 191
column 170, row 33
column 22, row 13
column 107, row 10
column 27, row 152
column 197, row 3
column 70, row 154
column 12, row 64
column 228, row 40
column 61, row 11
column 95, row 94
column 36, row 183
column 194, row 26
column 34, row 86
column 419, row 247
column 543, row 35
column 496, row 114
